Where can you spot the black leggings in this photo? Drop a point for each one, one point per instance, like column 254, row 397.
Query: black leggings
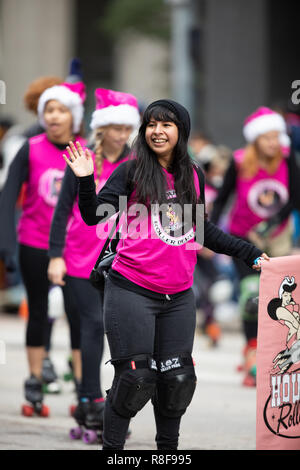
column 136, row 324
column 83, row 306
column 90, row 304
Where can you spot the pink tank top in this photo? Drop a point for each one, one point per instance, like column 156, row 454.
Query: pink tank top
column 46, row 170
column 259, row 198
column 84, row 243
column 157, row 260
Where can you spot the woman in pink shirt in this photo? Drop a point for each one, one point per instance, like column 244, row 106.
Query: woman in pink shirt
column 149, row 306
column 263, row 182
column 74, row 247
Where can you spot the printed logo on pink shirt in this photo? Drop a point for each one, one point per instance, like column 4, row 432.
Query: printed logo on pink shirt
column 266, row 197
column 168, row 225
column 49, row 185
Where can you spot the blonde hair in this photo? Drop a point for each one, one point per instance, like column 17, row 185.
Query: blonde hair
column 249, row 166
column 98, row 137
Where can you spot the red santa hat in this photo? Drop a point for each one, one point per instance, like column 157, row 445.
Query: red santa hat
column 265, row 120
column 71, row 95
column 115, row 107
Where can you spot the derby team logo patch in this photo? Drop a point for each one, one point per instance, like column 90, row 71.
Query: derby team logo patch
column 266, row 197
column 49, row 186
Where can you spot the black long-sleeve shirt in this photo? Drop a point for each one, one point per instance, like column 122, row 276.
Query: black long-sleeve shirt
column 121, row 183
column 17, row 175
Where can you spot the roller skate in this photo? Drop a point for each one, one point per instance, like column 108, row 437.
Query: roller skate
column 34, row 395
column 79, row 415
column 94, row 423
column 49, row 376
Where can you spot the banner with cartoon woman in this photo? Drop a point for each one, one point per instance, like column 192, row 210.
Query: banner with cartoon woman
column 278, row 355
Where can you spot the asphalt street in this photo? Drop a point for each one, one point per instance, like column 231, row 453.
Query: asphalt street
column 221, row 416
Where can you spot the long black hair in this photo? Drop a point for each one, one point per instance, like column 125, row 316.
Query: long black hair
column 149, row 176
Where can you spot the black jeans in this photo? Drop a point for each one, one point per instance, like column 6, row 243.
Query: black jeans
column 89, row 302
column 136, row 324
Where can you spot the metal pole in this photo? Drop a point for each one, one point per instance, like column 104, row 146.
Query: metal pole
column 181, row 61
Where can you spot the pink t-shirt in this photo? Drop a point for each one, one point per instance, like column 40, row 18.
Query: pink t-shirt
column 156, row 259
column 46, row 170
column 259, row 198
column 84, row 243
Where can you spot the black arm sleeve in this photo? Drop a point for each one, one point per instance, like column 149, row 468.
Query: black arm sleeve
column 17, row 175
column 67, row 197
column 225, row 191
column 118, row 184
column 220, row 242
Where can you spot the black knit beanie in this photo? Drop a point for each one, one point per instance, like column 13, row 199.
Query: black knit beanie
column 180, row 112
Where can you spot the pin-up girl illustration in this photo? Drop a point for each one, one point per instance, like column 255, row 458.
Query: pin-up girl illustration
column 285, row 310
column 173, row 219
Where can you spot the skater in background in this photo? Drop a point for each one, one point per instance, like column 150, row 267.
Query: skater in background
column 12, row 144
column 12, row 140
column 31, row 100
column 40, row 166
column 149, row 307
column 74, row 247
column 56, row 303
column 264, row 182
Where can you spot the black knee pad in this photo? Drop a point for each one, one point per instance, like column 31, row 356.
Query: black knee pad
column 175, row 385
column 251, row 307
column 135, row 384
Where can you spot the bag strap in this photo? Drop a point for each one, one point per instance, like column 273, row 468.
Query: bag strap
column 107, row 242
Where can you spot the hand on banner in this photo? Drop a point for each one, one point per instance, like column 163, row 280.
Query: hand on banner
column 257, row 262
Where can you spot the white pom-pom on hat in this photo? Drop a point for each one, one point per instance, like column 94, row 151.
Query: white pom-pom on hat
column 115, row 107
column 261, row 121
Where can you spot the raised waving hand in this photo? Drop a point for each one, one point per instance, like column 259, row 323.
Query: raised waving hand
column 80, row 161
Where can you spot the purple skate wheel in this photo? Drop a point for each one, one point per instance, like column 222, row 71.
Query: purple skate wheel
column 76, row 433
column 90, row 436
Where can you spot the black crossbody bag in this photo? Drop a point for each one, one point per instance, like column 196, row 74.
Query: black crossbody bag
column 105, row 259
